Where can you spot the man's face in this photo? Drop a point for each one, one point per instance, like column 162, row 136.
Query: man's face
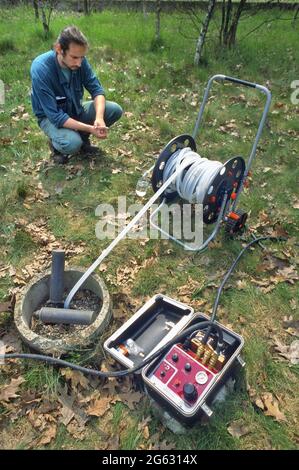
column 72, row 57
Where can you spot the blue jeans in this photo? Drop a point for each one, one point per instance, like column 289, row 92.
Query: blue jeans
column 68, row 141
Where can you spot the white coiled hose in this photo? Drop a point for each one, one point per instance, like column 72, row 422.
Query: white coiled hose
column 192, row 184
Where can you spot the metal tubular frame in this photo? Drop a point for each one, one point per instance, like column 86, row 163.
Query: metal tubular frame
column 225, row 201
column 261, row 88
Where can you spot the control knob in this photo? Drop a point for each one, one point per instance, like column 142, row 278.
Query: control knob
column 190, row 392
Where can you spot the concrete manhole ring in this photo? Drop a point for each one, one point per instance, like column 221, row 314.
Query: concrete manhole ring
column 36, row 294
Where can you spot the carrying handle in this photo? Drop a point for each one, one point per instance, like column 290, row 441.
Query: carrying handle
column 222, row 78
column 238, row 81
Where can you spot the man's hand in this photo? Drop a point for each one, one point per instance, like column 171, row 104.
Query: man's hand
column 100, row 129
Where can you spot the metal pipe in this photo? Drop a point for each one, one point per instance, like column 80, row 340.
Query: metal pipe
column 57, row 278
column 65, row 315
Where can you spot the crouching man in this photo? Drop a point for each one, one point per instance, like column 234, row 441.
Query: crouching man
column 58, row 81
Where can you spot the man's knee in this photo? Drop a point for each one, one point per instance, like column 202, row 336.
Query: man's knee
column 68, row 143
column 113, row 112
column 118, row 111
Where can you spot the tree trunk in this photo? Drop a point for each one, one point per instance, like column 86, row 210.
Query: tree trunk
column 230, row 21
column 46, row 8
column 228, row 13
column 158, row 21
column 222, row 21
column 144, row 9
column 295, row 15
column 234, row 25
column 203, row 33
column 35, row 6
column 44, row 19
column 86, row 7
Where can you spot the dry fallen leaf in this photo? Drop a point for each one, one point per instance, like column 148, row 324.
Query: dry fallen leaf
column 67, row 415
column 296, row 204
column 260, row 403
column 241, row 284
column 267, row 403
column 272, row 262
column 66, row 411
column 113, row 443
column 145, row 432
column 78, row 432
column 131, row 398
column 48, row 435
column 99, row 407
column 103, row 267
column 76, row 378
column 293, row 304
column 69, row 409
column 188, row 288
column 111, row 387
column 122, row 305
column 238, row 429
column 12, row 342
column 291, row 325
column 143, row 426
column 288, row 352
column 38, row 231
column 287, row 274
column 271, row 405
column 9, row 391
column 164, row 445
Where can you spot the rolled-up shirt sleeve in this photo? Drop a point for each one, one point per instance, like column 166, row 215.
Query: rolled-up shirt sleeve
column 90, row 81
column 42, row 92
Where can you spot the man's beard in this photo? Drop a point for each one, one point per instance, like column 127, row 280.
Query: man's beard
column 73, row 67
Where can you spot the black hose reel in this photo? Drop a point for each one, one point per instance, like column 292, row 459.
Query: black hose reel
column 227, row 182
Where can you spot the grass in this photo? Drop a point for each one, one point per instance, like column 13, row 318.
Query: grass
column 42, row 378
column 160, row 91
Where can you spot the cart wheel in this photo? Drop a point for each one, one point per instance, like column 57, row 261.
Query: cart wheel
column 235, row 223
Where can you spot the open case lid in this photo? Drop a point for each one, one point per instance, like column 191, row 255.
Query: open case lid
column 154, row 324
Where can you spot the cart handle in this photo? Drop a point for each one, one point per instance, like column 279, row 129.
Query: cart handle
column 239, row 81
column 261, row 88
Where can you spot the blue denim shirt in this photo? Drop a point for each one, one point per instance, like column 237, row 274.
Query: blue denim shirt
column 53, row 96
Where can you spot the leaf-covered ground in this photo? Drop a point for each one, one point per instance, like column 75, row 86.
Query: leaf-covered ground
column 44, row 206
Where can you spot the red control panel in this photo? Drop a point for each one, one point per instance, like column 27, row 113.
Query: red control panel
column 182, row 378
